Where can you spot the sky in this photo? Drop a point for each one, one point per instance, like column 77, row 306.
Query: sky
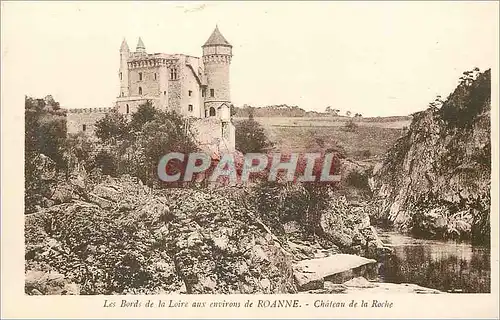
column 373, row 58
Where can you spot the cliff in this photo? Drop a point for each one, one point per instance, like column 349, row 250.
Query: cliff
column 435, row 180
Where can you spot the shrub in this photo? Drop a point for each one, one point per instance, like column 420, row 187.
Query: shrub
column 358, row 180
column 106, row 162
column 350, row 126
column 250, row 137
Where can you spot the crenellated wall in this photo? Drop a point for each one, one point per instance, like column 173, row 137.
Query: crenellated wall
column 76, row 119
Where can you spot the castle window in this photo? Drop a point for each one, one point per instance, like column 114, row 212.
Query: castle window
column 203, row 92
column 140, row 91
column 121, row 76
column 164, row 93
column 190, row 93
column 155, row 76
column 212, row 111
column 128, row 110
column 212, row 93
column 173, row 74
column 140, row 76
column 190, row 107
column 84, row 127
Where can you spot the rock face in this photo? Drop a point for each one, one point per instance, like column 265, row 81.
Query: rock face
column 435, row 180
column 130, row 240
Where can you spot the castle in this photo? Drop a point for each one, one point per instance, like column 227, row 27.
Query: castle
column 198, row 88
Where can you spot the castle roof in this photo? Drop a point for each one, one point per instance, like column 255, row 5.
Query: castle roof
column 124, row 46
column 216, row 39
column 140, row 45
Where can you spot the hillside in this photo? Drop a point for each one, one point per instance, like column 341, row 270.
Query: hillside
column 435, row 180
column 370, row 137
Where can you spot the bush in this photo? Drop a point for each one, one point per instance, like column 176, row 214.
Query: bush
column 279, row 203
column 106, row 162
column 251, row 138
column 350, row 126
column 358, row 180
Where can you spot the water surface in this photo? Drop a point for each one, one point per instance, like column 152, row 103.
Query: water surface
column 443, row 265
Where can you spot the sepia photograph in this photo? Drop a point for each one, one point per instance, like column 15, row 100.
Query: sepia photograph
column 256, row 148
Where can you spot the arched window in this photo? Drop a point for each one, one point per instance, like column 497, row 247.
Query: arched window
column 128, row 110
column 140, row 76
column 140, row 91
column 121, row 76
column 212, row 111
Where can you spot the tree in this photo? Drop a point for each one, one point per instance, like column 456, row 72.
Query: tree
column 44, row 134
column 112, row 127
column 145, row 113
column 165, row 133
column 45, row 130
column 348, row 113
column 250, row 137
column 233, row 110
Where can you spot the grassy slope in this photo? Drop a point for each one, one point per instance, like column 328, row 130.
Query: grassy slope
column 302, row 134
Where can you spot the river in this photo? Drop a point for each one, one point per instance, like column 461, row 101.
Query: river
column 443, row 265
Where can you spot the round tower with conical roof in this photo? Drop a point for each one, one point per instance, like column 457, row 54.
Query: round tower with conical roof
column 217, row 54
column 123, row 72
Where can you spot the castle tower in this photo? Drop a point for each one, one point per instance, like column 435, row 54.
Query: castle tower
column 217, row 53
column 123, row 73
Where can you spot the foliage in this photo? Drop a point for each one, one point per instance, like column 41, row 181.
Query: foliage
column 470, row 99
column 350, row 126
column 358, row 180
column 113, row 126
column 45, row 134
column 106, row 162
column 278, row 203
column 145, row 113
column 251, row 137
column 166, row 133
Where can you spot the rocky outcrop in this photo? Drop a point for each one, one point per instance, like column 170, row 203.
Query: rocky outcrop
column 128, row 239
column 435, row 180
column 310, row 274
column 347, row 224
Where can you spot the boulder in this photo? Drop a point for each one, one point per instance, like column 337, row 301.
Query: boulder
column 310, row 274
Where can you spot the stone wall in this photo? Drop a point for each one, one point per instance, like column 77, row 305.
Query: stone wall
column 83, row 120
column 214, row 135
